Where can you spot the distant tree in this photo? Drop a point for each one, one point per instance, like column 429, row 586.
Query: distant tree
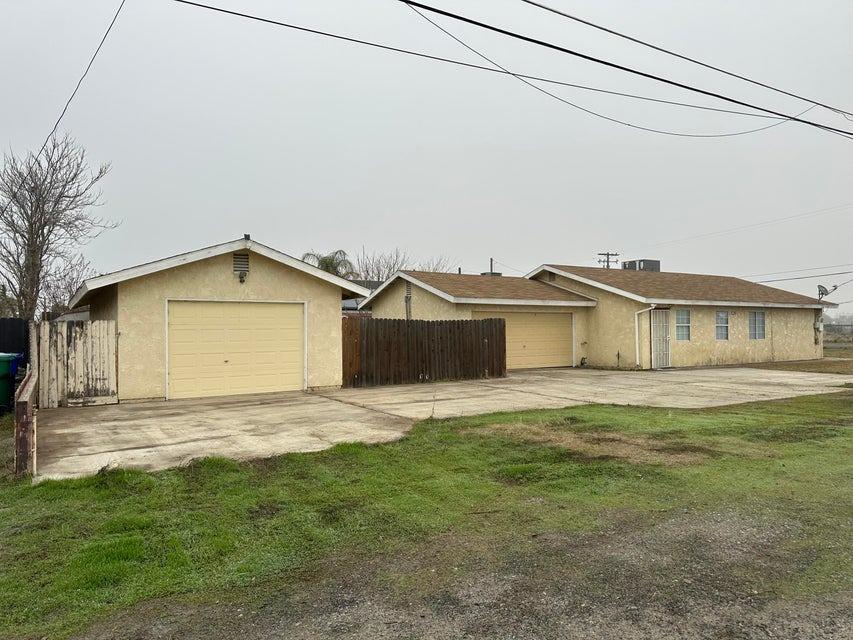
column 337, row 262
column 62, row 283
column 439, row 264
column 8, row 305
column 381, row 265
column 45, row 203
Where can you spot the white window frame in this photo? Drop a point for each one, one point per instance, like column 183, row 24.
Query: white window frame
column 718, row 326
column 683, row 325
column 752, row 321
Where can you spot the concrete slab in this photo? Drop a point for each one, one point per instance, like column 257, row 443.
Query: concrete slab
column 80, row 441
column 448, row 399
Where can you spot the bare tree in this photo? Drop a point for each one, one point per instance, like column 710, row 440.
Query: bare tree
column 60, row 284
column 440, row 264
column 45, row 202
column 381, row 265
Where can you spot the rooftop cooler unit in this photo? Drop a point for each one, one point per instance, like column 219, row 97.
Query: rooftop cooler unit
column 641, row 265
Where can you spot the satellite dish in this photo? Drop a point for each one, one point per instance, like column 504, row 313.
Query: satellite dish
column 822, row 291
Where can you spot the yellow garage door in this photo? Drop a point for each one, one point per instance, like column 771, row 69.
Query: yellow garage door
column 229, row 348
column 535, row 339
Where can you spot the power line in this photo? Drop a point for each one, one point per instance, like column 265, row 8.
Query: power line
column 589, row 23
column 754, row 225
column 614, row 65
column 83, row 77
column 820, row 275
column 76, row 89
column 774, row 273
column 461, row 63
column 838, row 286
column 498, row 262
column 589, row 111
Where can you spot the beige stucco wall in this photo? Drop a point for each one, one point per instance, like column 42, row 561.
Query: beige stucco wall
column 610, row 334
column 103, row 304
column 605, row 333
column 141, row 307
column 391, row 303
column 789, row 335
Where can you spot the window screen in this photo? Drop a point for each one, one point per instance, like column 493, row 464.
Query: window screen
column 682, row 324
column 722, row 329
column 756, row 325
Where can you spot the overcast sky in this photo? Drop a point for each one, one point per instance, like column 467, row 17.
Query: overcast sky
column 216, row 126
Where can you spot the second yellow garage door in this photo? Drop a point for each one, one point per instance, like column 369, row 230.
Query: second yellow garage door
column 535, row 339
column 229, row 348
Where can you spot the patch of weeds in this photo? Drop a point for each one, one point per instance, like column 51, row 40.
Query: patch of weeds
column 787, row 434
column 578, row 425
column 334, row 511
column 524, row 473
column 668, row 434
column 127, row 522
column 265, row 466
column 566, row 465
column 106, row 563
column 265, row 510
column 687, row 447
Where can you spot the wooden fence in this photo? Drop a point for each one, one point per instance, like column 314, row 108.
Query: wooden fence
column 378, row 352
column 25, row 424
column 77, row 363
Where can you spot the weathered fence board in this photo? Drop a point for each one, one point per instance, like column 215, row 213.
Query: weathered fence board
column 25, row 424
column 77, row 363
column 378, row 351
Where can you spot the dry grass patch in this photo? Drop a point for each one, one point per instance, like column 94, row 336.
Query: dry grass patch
column 599, row 445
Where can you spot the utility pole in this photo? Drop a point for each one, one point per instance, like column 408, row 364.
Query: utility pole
column 608, row 257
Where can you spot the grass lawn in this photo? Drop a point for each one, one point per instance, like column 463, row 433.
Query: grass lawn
column 837, row 358
column 77, row 551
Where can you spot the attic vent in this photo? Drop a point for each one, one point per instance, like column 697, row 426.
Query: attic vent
column 241, row 262
column 408, row 288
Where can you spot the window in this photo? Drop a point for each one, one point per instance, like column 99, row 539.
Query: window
column 682, row 324
column 722, row 325
column 756, row 325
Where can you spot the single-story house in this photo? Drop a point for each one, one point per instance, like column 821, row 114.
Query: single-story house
column 562, row 315
column 540, row 318
column 237, row 317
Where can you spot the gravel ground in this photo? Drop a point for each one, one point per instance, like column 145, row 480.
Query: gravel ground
column 689, row 575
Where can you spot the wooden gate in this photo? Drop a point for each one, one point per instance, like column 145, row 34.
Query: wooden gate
column 378, row 351
column 77, row 363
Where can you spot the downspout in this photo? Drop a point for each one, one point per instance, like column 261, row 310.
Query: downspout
column 637, row 332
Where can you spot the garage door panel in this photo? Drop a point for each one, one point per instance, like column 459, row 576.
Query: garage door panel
column 225, row 348
column 535, row 339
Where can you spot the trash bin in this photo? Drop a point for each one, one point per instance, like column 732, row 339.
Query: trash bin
column 8, row 369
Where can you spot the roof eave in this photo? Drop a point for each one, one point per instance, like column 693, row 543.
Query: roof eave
column 526, row 302
column 734, row 303
column 460, row 300
column 209, row 252
column 645, row 300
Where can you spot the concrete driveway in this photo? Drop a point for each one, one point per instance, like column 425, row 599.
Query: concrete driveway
column 80, row 441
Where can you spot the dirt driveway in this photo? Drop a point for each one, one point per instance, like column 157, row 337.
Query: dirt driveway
column 80, row 441
column 692, row 576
